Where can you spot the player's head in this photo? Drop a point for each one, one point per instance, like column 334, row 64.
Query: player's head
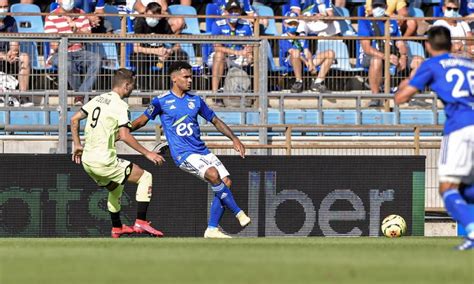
column 124, row 82
column 181, row 75
column 439, row 40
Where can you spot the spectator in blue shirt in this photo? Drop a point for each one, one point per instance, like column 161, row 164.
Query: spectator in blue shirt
column 372, row 51
column 247, row 8
column 295, row 52
column 236, row 55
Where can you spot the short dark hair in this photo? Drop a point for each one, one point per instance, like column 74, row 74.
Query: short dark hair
column 178, row 66
column 121, row 76
column 455, row 2
column 154, row 8
column 439, row 38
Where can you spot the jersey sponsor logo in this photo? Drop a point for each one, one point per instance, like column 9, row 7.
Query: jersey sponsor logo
column 191, row 100
column 184, row 129
column 191, row 105
column 169, row 101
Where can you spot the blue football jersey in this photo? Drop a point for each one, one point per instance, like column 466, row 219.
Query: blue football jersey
column 179, row 118
column 452, row 78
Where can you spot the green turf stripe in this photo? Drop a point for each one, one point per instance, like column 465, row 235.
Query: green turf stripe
column 418, row 204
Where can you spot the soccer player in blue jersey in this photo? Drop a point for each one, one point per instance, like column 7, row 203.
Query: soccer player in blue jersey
column 452, row 78
column 178, row 110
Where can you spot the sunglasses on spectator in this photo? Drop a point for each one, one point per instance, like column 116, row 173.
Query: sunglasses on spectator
column 452, row 9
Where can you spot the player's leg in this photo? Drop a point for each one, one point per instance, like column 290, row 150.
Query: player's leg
column 144, row 181
column 217, row 208
column 114, row 207
column 455, row 166
column 220, row 188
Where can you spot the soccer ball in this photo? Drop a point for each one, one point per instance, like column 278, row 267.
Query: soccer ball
column 394, row 226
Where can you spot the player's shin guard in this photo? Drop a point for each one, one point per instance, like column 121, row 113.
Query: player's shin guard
column 113, row 205
column 458, row 209
column 143, row 195
column 216, row 213
column 468, row 193
column 222, row 192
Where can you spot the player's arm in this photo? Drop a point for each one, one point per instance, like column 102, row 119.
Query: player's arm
column 224, row 129
column 78, row 148
column 405, row 94
column 128, row 138
column 139, row 122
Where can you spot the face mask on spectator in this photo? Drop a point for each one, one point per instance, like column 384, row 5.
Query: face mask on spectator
column 451, row 14
column 3, row 10
column 67, row 5
column 378, row 12
column 152, row 22
column 292, row 29
column 235, row 18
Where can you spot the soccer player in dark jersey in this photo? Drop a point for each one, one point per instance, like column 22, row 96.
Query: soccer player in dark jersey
column 178, row 110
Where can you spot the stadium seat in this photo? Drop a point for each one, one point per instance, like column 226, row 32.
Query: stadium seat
column 297, row 116
column 109, row 54
column 267, row 11
column 232, row 118
column 346, row 27
column 441, row 117
column 211, row 10
column 415, row 49
column 416, row 12
column 342, row 55
column 28, row 117
column 115, row 21
column 271, row 63
column 274, row 117
column 339, row 117
column 416, row 117
column 192, row 28
column 377, row 117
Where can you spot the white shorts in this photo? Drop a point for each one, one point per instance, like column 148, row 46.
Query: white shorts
column 456, row 157
column 198, row 164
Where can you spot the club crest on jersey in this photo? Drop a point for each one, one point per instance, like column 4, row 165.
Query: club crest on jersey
column 191, row 105
column 150, row 109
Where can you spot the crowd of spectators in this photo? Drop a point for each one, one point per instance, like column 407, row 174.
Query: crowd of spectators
column 297, row 56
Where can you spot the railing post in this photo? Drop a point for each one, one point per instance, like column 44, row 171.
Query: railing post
column 62, row 90
column 417, row 140
column 387, row 63
column 263, row 94
column 288, row 132
column 123, row 32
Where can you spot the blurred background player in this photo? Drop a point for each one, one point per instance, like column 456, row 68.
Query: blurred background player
column 452, row 78
column 178, row 110
column 107, row 121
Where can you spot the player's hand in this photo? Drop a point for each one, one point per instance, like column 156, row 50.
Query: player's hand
column 403, row 62
column 155, row 158
column 239, row 147
column 77, row 154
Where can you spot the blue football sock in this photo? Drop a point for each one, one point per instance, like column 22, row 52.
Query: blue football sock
column 216, row 213
column 468, row 193
column 458, row 209
column 222, row 192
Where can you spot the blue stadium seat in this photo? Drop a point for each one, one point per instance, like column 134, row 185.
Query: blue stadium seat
column 416, row 12
column 416, row 117
column 346, row 27
column 441, row 117
column 115, row 21
column 298, row 116
column 274, row 117
column 342, row 55
column 267, row 11
column 211, row 10
column 377, row 117
column 28, row 24
column 2, row 117
column 28, row 117
column 109, row 54
column 415, row 49
column 339, row 117
column 192, row 28
column 232, row 118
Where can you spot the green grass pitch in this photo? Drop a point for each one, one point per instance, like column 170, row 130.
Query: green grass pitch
column 246, row 260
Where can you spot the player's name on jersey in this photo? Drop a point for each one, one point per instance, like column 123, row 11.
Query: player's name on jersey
column 451, row 62
column 103, row 100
